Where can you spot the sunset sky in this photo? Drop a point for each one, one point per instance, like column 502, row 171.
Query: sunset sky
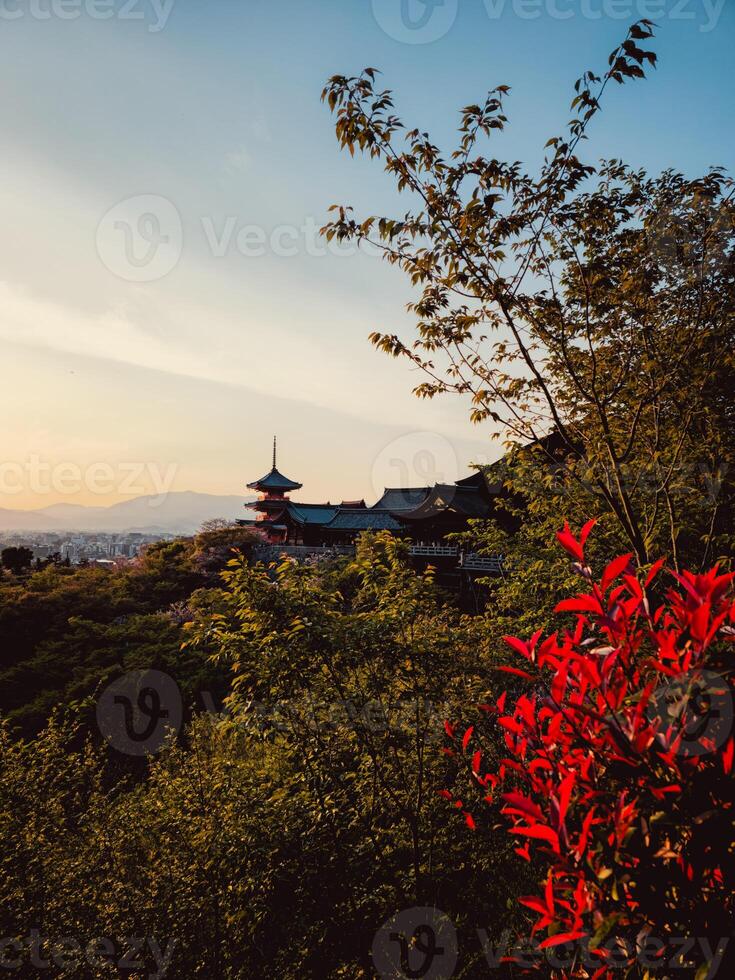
column 208, row 114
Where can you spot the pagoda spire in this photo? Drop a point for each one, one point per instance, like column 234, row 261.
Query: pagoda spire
column 274, row 484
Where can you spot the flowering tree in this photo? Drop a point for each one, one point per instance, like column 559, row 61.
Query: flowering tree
column 617, row 774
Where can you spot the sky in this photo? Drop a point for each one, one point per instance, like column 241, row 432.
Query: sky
column 166, row 304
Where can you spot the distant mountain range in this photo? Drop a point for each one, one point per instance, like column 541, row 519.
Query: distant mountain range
column 170, row 513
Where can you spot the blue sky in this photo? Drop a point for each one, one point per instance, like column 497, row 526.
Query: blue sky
column 244, row 325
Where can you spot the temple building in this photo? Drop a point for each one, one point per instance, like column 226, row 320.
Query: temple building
column 425, row 515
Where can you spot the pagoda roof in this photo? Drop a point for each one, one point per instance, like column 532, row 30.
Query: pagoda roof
column 274, row 481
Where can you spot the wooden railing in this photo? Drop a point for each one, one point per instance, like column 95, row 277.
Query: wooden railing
column 433, row 551
column 492, row 564
column 467, row 562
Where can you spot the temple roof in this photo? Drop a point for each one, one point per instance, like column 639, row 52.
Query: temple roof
column 485, row 480
column 465, row 501
column 363, row 519
column 310, row 513
column 401, row 498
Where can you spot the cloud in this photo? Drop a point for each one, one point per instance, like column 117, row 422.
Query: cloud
column 198, row 343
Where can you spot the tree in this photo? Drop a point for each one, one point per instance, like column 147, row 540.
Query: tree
column 347, row 670
column 16, row 560
column 590, row 303
column 618, row 768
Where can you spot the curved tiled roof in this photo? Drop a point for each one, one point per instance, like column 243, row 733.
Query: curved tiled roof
column 311, row 513
column 363, row 519
column 274, row 481
column 401, row 498
column 466, row 501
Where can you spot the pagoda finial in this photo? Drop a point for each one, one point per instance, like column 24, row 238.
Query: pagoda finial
column 274, row 452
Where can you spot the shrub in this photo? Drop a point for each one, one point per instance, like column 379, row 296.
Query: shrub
column 618, row 769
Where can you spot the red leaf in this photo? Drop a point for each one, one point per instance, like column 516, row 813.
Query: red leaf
column 655, row 569
column 531, row 902
column 520, row 802
column 517, row 671
column 580, row 603
column 568, row 542
column 561, row 937
column 449, row 729
column 539, row 832
column 727, row 756
column 616, row 566
column 584, row 533
column 565, row 792
column 469, row 821
column 466, row 738
column 518, row 645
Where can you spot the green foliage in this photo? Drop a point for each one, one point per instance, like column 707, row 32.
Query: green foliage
column 275, row 839
column 16, row 560
column 68, row 631
column 354, row 691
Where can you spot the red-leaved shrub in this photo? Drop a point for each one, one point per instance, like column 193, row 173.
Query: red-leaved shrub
column 617, row 775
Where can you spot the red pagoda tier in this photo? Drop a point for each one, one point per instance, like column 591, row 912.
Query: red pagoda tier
column 271, row 505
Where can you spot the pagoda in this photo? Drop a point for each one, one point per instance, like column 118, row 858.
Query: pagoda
column 273, row 500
